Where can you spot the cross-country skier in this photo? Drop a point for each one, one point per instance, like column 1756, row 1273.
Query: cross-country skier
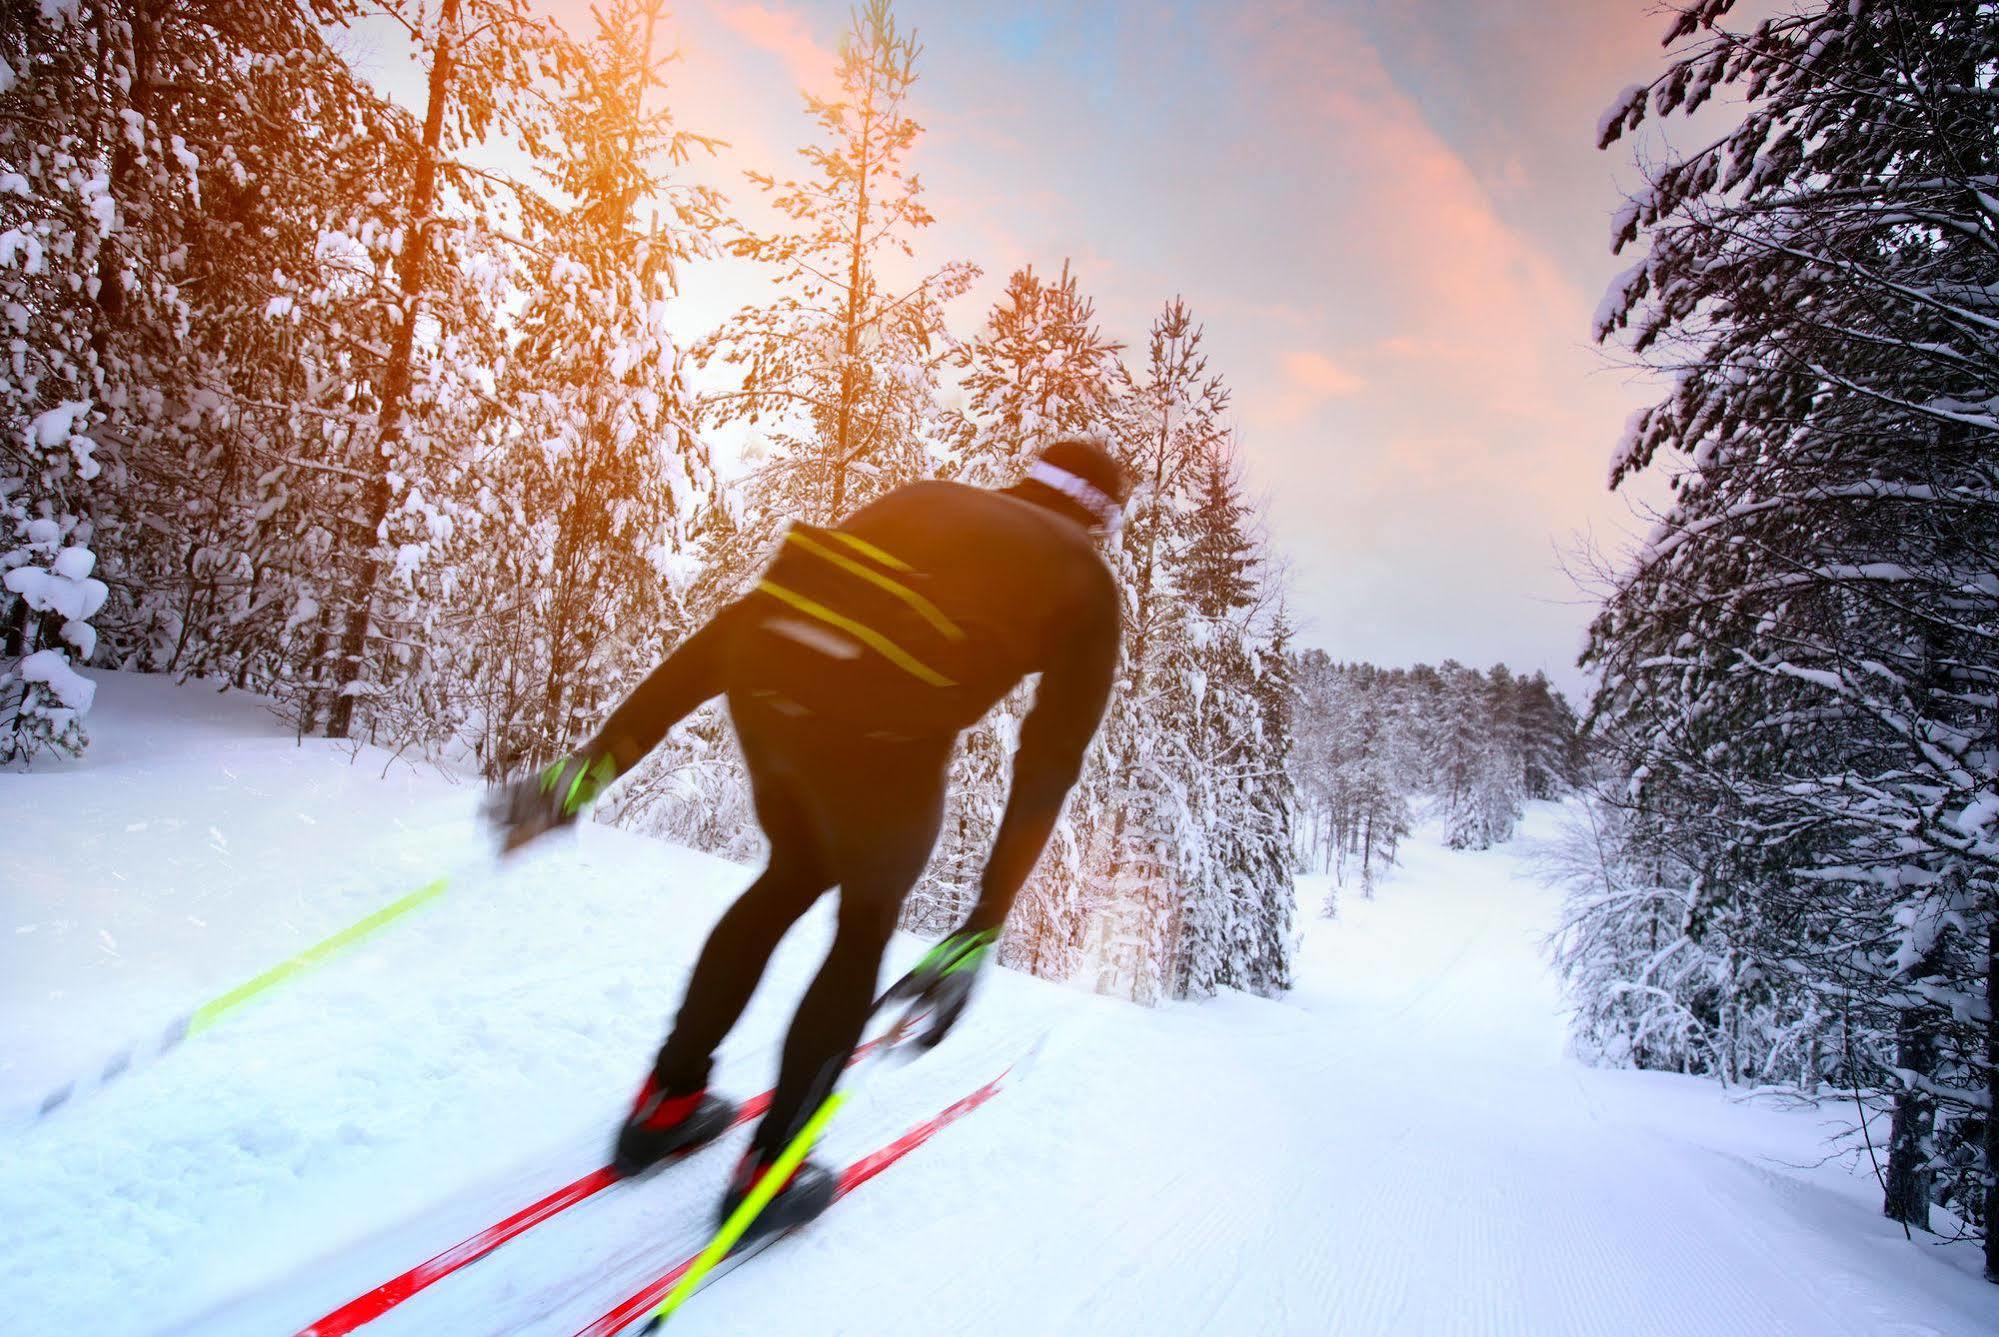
column 850, row 670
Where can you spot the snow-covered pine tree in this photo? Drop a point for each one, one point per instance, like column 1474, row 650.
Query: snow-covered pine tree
column 1478, row 791
column 1039, row 371
column 152, row 244
column 1802, row 658
column 1315, row 740
column 436, row 262
column 232, row 505
column 1236, row 887
column 1132, row 811
column 87, row 324
column 574, row 576
column 1647, row 993
column 1502, row 782
column 840, row 370
column 1386, row 772
column 694, row 789
column 1273, row 799
column 1546, row 733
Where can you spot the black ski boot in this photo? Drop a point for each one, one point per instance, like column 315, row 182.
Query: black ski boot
column 809, row 1192
column 663, row 1125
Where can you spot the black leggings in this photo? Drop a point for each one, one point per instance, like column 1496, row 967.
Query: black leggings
column 862, row 814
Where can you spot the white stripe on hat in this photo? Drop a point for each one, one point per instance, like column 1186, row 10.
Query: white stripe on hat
column 1079, row 490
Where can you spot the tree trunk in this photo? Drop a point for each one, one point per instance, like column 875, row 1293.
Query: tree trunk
column 1367, row 858
column 375, row 497
column 1992, row 1096
column 845, row 430
column 1908, row 1187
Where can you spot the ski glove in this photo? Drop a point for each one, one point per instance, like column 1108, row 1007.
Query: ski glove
column 531, row 807
column 941, row 985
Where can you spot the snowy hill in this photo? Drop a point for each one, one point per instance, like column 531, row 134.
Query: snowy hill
column 1399, row 1146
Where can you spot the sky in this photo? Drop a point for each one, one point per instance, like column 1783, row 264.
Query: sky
column 1389, row 215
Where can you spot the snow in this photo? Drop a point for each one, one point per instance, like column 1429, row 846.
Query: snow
column 52, row 667
column 74, row 564
column 1401, row 1145
column 76, row 597
column 1979, row 816
column 53, row 427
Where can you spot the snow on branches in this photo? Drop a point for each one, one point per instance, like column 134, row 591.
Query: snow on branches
column 1801, row 665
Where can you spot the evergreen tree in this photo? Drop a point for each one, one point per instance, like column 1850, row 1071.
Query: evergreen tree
column 840, row 370
column 1798, row 680
column 1038, row 372
column 1272, row 800
column 178, row 390
column 575, row 578
column 1118, row 899
column 1547, row 738
column 438, row 288
column 1235, row 925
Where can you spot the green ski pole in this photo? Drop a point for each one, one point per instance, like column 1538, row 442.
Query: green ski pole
column 739, row 1220
column 215, row 1010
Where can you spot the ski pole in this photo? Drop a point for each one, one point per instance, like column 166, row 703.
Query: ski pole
column 215, row 1010
column 746, row 1211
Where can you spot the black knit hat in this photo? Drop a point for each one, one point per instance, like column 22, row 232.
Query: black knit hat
column 1085, row 475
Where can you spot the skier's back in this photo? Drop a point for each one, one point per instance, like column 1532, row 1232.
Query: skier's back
column 850, row 670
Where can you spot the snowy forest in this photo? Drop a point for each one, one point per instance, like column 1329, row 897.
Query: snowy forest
column 361, row 425
column 343, row 413
column 1376, row 748
column 1788, row 872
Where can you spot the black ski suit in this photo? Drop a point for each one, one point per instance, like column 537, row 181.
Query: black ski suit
column 847, row 735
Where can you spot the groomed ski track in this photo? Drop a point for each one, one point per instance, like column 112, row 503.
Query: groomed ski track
column 1398, row 1146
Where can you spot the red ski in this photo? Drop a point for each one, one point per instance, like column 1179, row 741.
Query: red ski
column 366, row 1308
column 851, row 1178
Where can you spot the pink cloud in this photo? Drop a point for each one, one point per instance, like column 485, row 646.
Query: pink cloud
column 787, row 36
column 1308, row 380
column 1319, row 376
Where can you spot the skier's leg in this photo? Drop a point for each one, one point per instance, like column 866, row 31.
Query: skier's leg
column 740, row 945
column 879, row 856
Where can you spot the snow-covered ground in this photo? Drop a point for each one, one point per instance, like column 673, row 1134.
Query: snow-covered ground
column 1400, row 1146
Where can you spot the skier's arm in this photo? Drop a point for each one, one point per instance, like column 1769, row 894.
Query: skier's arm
column 1068, row 706
column 691, row 675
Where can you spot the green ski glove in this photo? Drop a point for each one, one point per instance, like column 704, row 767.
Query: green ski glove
column 531, row 807
column 941, row 985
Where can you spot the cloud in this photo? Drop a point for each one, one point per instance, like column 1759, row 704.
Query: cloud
column 1420, row 515
column 787, row 36
column 1308, row 380
column 1319, row 376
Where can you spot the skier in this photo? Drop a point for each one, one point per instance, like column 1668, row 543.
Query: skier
column 849, row 672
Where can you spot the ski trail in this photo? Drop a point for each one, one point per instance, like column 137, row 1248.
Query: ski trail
column 1398, row 1146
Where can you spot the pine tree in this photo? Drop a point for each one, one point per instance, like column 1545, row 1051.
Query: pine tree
column 1133, row 814
column 576, row 577
column 182, row 402
column 1236, row 886
column 1039, row 371
column 439, row 265
column 87, row 328
column 840, row 370
column 1547, row 734
column 1273, row 802
column 1799, row 681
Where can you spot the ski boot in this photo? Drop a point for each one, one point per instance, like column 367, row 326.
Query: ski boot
column 808, row 1192
column 662, row 1125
